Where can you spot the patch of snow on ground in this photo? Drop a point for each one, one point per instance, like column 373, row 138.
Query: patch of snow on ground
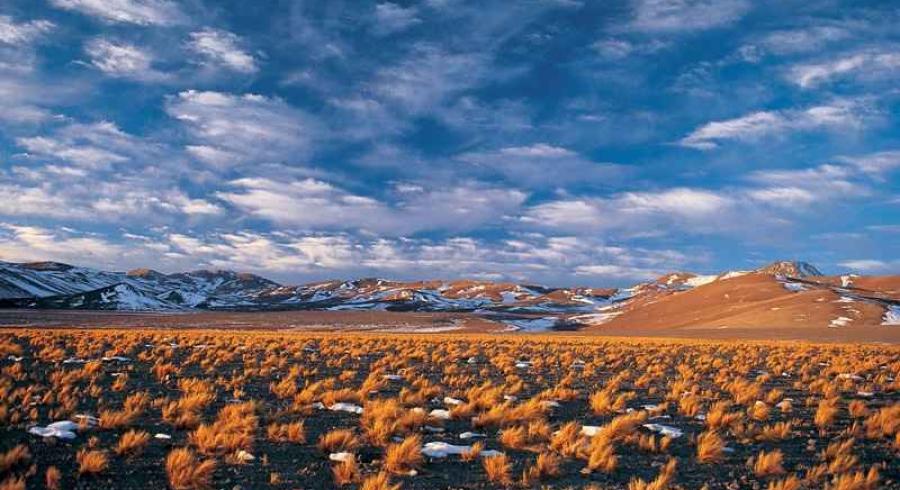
column 442, row 450
column 542, row 324
column 596, row 318
column 892, row 315
column 698, row 281
column 346, row 407
column 664, row 430
column 732, row 275
column 793, row 287
column 840, row 321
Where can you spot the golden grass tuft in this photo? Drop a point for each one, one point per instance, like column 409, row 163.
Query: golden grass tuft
column 710, row 447
column 294, row 432
column 405, row 457
column 767, row 463
column 132, row 443
column 662, row 481
column 17, row 456
column 338, row 440
column 381, row 481
column 345, row 472
column 498, row 469
column 52, row 478
column 186, row 473
column 91, row 462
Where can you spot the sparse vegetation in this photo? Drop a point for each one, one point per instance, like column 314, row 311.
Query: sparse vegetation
column 281, row 410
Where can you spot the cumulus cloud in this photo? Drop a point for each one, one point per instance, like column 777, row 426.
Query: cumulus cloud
column 227, row 130
column 686, row 15
column 391, row 18
column 119, row 59
column 313, row 204
column 24, row 32
column 757, row 125
column 222, row 48
column 141, row 12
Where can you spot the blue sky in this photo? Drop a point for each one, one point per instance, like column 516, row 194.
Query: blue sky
column 556, row 141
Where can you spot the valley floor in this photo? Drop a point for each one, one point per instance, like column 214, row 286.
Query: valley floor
column 419, row 322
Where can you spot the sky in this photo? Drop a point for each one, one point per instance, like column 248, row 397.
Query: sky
column 563, row 142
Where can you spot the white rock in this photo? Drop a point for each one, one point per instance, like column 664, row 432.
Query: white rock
column 245, row 456
column 393, row 377
column 452, row 401
column 162, row 436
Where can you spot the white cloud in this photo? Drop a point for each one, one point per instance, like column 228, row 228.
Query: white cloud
column 391, row 18
column 22, row 33
column 227, row 130
column 141, row 12
column 802, row 40
column 865, row 65
column 688, row 209
column 118, row 59
column 825, row 182
column 224, row 49
column 314, row 204
column 876, row 163
column 686, row 15
column 754, row 126
column 871, row 266
column 532, row 165
column 531, row 257
column 95, row 145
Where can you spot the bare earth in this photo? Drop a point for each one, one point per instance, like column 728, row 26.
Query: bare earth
column 425, row 323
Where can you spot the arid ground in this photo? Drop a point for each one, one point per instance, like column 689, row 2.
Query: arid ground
column 195, row 409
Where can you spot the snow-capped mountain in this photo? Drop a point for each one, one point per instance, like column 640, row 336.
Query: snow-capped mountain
column 779, row 292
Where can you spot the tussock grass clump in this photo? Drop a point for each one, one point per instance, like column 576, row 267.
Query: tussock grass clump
column 91, row 462
column 498, row 469
column 132, row 443
column 185, row 472
column 710, row 447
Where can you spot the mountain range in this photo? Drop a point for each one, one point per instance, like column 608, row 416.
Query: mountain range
column 782, row 293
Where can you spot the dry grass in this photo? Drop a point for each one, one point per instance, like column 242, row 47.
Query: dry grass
column 132, row 443
column 498, row 469
column 53, row 478
column 381, row 481
column 405, row 457
column 338, row 440
column 294, row 432
column 185, row 472
column 767, row 463
column 17, row 456
column 230, row 392
column 662, row 481
column 345, row 472
column 710, row 447
column 91, row 462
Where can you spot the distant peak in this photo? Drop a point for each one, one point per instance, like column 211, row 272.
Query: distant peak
column 790, row 269
column 144, row 273
column 47, row 266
